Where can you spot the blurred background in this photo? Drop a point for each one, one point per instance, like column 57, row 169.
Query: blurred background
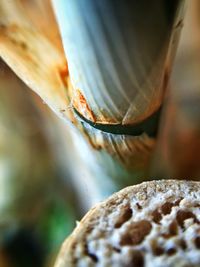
column 47, row 184
column 37, row 207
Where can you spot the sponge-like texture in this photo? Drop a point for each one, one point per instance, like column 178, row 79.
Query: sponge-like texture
column 153, row 224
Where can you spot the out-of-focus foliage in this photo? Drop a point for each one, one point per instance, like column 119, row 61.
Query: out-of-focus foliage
column 36, row 207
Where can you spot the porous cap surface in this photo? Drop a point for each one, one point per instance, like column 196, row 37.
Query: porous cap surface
column 153, row 224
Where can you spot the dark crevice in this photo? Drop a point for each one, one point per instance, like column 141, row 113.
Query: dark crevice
column 125, row 215
column 118, row 250
column 156, row 216
column 197, row 242
column 182, row 244
column 137, row 259
column 138, row 206
column 136, row 233
column 183, row 215
column 166, row 208
column 157, row 249
column 148, row 126
column 171, row 251
column 91, row 255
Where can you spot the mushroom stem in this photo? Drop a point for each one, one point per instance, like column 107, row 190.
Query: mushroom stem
column 119, row 55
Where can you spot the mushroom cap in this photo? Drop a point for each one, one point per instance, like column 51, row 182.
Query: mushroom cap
column 152, row 224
